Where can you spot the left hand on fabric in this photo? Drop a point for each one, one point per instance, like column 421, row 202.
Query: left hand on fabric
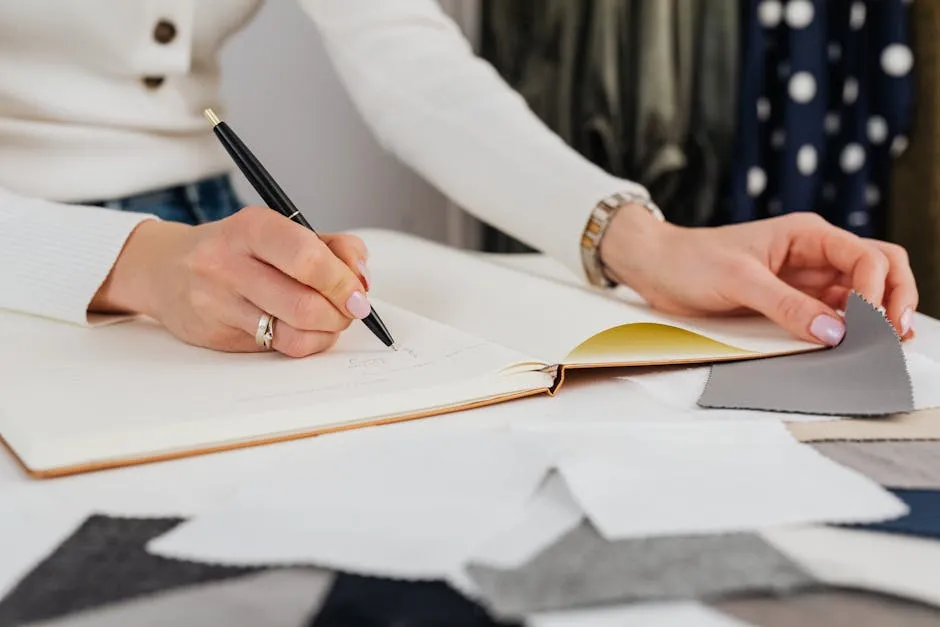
column 797, row 270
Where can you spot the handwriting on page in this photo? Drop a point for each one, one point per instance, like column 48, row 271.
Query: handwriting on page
column 378, row 371
column 406, row 358
column 381, row 361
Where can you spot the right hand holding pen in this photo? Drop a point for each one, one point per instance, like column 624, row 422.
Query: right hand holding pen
column 210, row 284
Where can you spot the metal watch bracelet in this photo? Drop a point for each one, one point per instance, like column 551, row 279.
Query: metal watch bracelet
column 600, row 219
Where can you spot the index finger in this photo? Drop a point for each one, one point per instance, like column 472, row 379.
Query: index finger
column 299, row 253
column 902, row 295
column 820, row 245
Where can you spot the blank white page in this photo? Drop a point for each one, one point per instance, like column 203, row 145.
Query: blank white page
column 547, row 317
column 74, row 395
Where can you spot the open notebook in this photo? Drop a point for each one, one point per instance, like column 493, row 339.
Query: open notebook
column 471, row 331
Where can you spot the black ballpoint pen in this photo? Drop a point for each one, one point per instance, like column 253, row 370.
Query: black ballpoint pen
column 275, row 198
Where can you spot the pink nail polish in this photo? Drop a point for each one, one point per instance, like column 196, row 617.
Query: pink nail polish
column 907, row 318
column 827, row 330
column 364, row 273
column 358, row 306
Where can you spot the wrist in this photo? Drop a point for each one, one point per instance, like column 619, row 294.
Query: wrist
column 631, row 241
column 129, row 286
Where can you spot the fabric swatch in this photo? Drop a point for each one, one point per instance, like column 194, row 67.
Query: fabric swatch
column 865, row 375
column 923, row 519
column 653, row 613
column 102, row 572
column 888, row 563
column 830, row 607
column 277, row 598
column 103, row 561
column 635, row 481
column 905, row 465
column 373, row 507
column 362, row 601
column 919, row 425
column 584, row 569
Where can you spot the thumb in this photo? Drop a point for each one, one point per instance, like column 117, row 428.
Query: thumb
column 795, row 311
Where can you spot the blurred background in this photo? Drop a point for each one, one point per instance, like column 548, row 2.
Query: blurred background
column 727, row 110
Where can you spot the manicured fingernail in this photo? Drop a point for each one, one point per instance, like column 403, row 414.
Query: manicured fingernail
column 358, row 306
column 364, row 274
column 907, row 318
column 827, row 329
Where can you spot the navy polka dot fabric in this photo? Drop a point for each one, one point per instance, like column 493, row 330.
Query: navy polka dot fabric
column 826, row 99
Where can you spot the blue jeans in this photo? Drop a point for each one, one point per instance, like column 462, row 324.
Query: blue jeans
column 194, row 203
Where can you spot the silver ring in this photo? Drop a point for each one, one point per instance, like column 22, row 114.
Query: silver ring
column 264, row 334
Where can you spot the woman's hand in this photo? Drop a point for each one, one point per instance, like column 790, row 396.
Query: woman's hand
column 210, row 284
column 796, row 269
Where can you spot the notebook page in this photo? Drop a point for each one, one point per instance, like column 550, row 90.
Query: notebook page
column 547, row 317
column 753, row 332
column 75, row 395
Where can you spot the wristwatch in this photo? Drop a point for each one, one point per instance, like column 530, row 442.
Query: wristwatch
column 596, row 227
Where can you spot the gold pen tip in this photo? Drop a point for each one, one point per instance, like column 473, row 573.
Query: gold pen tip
column 211, row 116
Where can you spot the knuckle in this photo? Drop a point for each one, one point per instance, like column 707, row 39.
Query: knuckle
column 202, row 304
column 897, row 252
column 790, row 307
column 296, row 345
column 309, row 343
column 237, row 222
column 250, row 214
column 808, row 220
column 729, row 265
column 307, row 309
column 222, row 337
column 239, row 225
column 206, row 258
column 355, row 243
column 879, row 260
column 310, row 260
column 339, row 287
column 884, row 263
column 329, row 341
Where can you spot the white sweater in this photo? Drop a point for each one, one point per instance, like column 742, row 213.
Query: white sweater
column 78, row 122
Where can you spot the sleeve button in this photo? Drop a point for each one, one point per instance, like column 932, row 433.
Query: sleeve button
column 164, row 32
column 153, row 81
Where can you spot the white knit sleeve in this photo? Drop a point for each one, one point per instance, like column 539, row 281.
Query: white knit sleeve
column 447, row 114
column 54, row 257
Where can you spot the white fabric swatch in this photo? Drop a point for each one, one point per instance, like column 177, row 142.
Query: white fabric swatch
column 551, row 514
column 637, row 480
column 883, row 562
column 665, row 614
column 924, row 373
column 395, row 503
column 37, row 515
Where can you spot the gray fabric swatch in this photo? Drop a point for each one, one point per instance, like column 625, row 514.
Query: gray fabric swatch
column 832, row 608
column 104, row 561
column 584, row 569
column 866, row 375
column 909, row 465
column 278, row 598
